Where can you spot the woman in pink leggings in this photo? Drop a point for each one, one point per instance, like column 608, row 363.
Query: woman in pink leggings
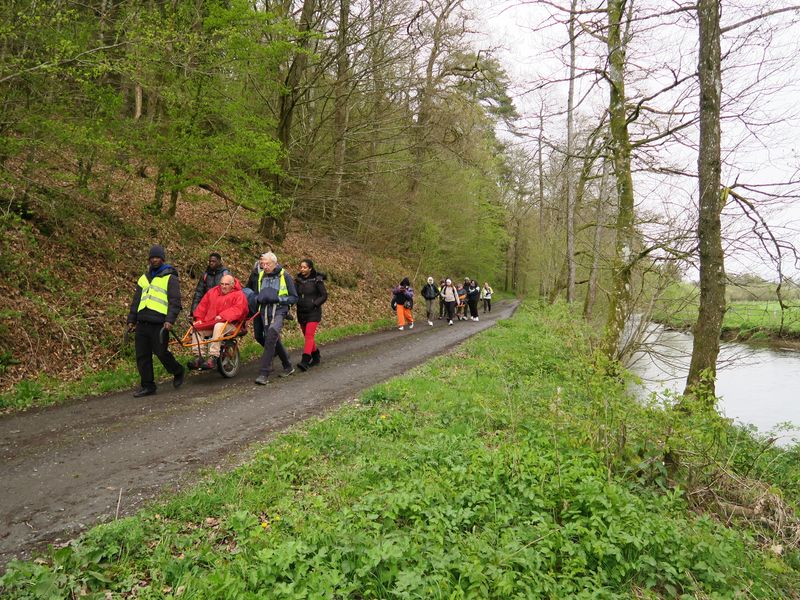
column 312, row 295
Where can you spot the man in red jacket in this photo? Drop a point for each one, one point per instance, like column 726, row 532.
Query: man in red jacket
column 218, row 313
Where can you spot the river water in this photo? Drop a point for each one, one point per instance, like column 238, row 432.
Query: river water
column 756, row 385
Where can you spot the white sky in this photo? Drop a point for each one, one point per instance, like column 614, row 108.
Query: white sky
column 760, row 72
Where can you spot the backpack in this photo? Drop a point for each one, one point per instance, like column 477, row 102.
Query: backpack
column 252, row 302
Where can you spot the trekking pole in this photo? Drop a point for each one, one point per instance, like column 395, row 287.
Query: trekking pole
column 163, row 331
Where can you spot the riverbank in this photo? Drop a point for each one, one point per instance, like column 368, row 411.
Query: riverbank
column 510, row 468
column 758, row 322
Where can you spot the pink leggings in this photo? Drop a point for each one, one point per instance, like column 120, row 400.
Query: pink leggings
column 309, row 331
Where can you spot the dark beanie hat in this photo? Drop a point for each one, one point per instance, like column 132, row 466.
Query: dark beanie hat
column 158, row 251
column 405, row 282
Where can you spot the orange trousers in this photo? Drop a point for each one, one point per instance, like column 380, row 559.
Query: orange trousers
column 403, row 315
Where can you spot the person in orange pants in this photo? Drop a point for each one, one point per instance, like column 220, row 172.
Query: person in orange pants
column 403, row 300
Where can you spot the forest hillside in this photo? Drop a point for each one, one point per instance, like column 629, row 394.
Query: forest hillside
column 362, row 136
column 71, row 262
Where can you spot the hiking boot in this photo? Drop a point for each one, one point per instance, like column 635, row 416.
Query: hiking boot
column 194, row 364
column 287, row 371
column 411, row 326
column 305, row 363
column 177, row 380
column 262, row 380
column 315, row 359
column 145, row 391
column 211, row 363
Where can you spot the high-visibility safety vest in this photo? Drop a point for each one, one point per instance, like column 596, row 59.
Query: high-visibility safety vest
column 282, row 290
column 154, row 294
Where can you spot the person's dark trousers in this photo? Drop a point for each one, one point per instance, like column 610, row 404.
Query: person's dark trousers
column 473, row 308
column 487, row 305
column 272, row 344
column 429, row 308
column 149, row 342
column 441, row 307
column 280, row 349
column 451, row 310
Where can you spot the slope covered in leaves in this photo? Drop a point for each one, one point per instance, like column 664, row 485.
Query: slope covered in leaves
column 71, row 258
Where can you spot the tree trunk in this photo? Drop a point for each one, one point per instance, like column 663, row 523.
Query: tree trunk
column 591, row 291
column 340, row 110
column 705, row 348
column 540, row 165
column 158, row 195
column 173, row 202
column 570, row 179
column 273, row 225
column 137, row 92
column 621, row 157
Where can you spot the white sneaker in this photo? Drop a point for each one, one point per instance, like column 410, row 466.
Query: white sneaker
column 401, row 328
column 449, row 322
column 411, row 326
column 430, row 323
column 477, row 319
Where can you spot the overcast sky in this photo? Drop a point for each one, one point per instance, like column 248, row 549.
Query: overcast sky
column 760, row 83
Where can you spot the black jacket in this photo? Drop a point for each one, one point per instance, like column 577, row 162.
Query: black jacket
column 473, row 294
column 173, row 299
column 430, row 291
column 311, row 295
column 208, row 280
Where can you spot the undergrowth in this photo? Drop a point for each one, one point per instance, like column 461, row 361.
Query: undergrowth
column 512, row 468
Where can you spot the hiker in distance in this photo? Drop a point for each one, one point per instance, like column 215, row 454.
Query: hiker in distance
column 403, row 301
column 155, row 306
column 430, row 292
column 449, row 294
column 210, row 279
column 486, row 296
column 312, row 295
column 473, row 296
column 276, row 293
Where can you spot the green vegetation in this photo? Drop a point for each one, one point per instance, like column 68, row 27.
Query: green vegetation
column 45, row 390
column 746, row 319
column 513, row 468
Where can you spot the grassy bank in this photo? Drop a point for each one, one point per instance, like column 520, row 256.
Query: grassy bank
column 746, row 320
column 46, row 390
column 512, row 468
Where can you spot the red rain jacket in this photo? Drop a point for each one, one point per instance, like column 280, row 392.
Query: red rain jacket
column 231, row 307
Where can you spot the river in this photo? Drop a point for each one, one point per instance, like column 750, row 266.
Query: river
column 756, row 385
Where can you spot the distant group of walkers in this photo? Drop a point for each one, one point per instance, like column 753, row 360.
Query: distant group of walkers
column 453, row 301
column 219, row 305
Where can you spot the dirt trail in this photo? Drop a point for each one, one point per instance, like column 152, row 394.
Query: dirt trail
column 62, row 468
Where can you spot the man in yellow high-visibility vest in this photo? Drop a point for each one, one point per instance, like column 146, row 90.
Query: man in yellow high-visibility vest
column 155, row 306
